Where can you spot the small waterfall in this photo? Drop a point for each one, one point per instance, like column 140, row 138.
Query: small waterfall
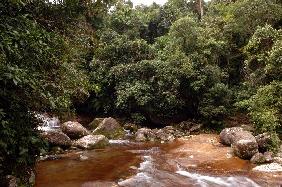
column 47, row 123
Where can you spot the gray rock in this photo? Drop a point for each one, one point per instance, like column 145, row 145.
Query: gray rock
column 74, row 130
column 263, row 141
column 95, row 123
column 145, row 134
column 243, row 135
column 110, row 128
column 243, row 142
column 268, row 156
column 168, row 133
column 91, row 142
column 228, row 135
column 272, row 167
column 258, row 158
column 56, row 138
column 245, row 148
column 277, row 160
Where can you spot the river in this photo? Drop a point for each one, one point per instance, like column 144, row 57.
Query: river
column 199, row 160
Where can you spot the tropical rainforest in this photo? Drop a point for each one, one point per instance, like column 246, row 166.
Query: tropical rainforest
column 186, row 59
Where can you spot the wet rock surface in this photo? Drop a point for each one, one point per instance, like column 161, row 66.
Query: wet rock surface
column 272, row 167
column 74, row 130
column 91, row 142
column 56, row 138
column 145, row 134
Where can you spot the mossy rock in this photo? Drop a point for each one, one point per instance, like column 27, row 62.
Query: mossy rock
column 92, row 142
column 95, row 123
column 115, row 134
column 110, row 128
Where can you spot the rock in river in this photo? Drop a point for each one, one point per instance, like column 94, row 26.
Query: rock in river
column 92, row 142
column 74, row 130
column 56, row 138
column 228, row 135
column 145, row 134
column 95, row 123
column 110, row 128
column 258, row 158
column 245, row 148
column 244, row 144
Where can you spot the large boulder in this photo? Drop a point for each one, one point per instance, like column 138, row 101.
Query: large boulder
column 244, row 144
column 228, row 135
column 245, row 148
column 110, row 128
column 91, row 142
column 56, row 138
column 263, row 141
column 74, row 130
column 145, row 134
column 95, row 123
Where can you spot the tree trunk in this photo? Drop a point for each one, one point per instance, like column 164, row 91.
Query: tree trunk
column 200, row 8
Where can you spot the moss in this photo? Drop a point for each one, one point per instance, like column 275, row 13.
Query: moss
column 95, row 123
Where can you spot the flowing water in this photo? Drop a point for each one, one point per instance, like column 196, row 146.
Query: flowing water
column 47, row 122
column 196, row 161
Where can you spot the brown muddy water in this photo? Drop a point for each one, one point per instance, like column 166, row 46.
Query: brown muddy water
column 199, row 160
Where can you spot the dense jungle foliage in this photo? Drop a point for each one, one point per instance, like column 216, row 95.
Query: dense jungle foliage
column 151, row 64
